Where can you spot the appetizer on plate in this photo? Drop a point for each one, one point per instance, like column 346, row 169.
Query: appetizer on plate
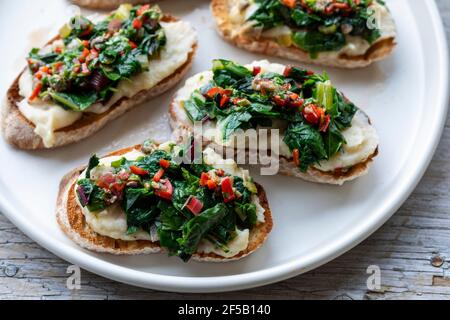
column 107, row 4
column 93, row 72
column 340, row 33
column 144, row 200
column 323, row 136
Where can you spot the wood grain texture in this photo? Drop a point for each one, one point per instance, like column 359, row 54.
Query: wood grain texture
column 412, row 249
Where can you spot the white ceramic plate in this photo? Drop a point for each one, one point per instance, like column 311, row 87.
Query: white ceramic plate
column 406, row 97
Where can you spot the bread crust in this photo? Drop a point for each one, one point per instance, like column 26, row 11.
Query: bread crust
column 72, row 221
column 19, row 131
column 106, row 4
column 220, row 10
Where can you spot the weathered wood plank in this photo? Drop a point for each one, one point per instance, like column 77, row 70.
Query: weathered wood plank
column 403, row 248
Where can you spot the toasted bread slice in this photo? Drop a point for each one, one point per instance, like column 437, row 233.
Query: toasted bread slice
column 183, row 128
column 19, row 131
column 230, row 31
column 106, row 4
column 72, row 221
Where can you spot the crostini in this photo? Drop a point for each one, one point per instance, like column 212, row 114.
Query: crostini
column 143, row 200
column 323, row 136
column 107, row 4
column 93, row 72
column 339, row 33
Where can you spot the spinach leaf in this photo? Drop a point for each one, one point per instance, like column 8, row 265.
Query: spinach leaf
column 308, row 141
column 94, row 194
column 139, row 207
column 195, row 107
column 196, row 228
column 227, row 73
column 315, row 42
column 232, row 122
column 78, row 101
column 333, row 140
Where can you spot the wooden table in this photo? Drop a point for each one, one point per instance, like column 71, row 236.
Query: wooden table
column 410, row 249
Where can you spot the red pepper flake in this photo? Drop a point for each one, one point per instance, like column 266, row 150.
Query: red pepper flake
column 224, row 100
column 309, row 72
column 38, row 76
column 296, row 157
column 137, row 23
column 45, row 69
column 142, row 9
column 287, row 71
column 58, row 65
column 211, row 184
column 87, row 31
column 324, row 123
column 157, row 177
column 132, row 44
column 256, row 70
column 58, row 50
column 213, row 91
column 165, row 164
column 279, row 101
column 227, row 190
column 138, row 171
column 312, row 114
column 204, row 179
column 220, row 172
column 36, row 92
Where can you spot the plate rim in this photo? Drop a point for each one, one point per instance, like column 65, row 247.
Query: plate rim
column 285, row 270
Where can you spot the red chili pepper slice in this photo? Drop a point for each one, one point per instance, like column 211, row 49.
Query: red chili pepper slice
column 227, row 189
column 165, row 164
column 211, row 184
column 256, row 70
column 213, row 91
column 224, row 100
column 278, row 101
column 158, row 175
column 132, row 44
column 142, row 9
column 204, row 179
column 324, row 123
column 138, row 171
column 296, row 156
column 287, row 71
column 137, row 23
column 312, row 114
column 36, row 92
